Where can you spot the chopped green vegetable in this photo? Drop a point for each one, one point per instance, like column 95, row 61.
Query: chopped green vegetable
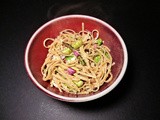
column 68, row 46
column 81, row 60
column 66, row 86
column 70, row 58
column 99, row 41
column 77, row 44
column 97, row 58
column 78, row 83
column 107, row 55
column 67, row 51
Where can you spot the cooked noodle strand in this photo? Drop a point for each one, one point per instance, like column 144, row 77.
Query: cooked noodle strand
column 76, row 63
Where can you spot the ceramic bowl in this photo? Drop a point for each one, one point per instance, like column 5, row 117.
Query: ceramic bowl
column 35, row 54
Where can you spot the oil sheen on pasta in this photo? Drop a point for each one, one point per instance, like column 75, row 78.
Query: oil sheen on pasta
column 77, row 62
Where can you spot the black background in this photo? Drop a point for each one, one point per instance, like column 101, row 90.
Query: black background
column 137, row 97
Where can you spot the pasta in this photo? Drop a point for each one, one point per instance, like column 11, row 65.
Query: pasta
column 77, row 62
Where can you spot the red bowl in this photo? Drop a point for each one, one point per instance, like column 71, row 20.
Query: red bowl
column 35, row 54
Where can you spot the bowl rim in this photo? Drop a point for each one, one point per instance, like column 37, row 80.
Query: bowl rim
column 77, row 99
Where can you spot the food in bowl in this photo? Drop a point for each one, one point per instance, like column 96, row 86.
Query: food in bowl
column 103, row 35
column 77, row 61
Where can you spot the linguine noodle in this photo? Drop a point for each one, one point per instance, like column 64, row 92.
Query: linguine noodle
column 77, row 63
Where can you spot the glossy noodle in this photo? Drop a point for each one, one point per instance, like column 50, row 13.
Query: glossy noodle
column 77, row 62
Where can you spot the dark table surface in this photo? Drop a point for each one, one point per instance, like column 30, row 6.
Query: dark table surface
column 137, row 97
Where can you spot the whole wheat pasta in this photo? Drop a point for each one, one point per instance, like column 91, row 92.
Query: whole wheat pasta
column 77, row 62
